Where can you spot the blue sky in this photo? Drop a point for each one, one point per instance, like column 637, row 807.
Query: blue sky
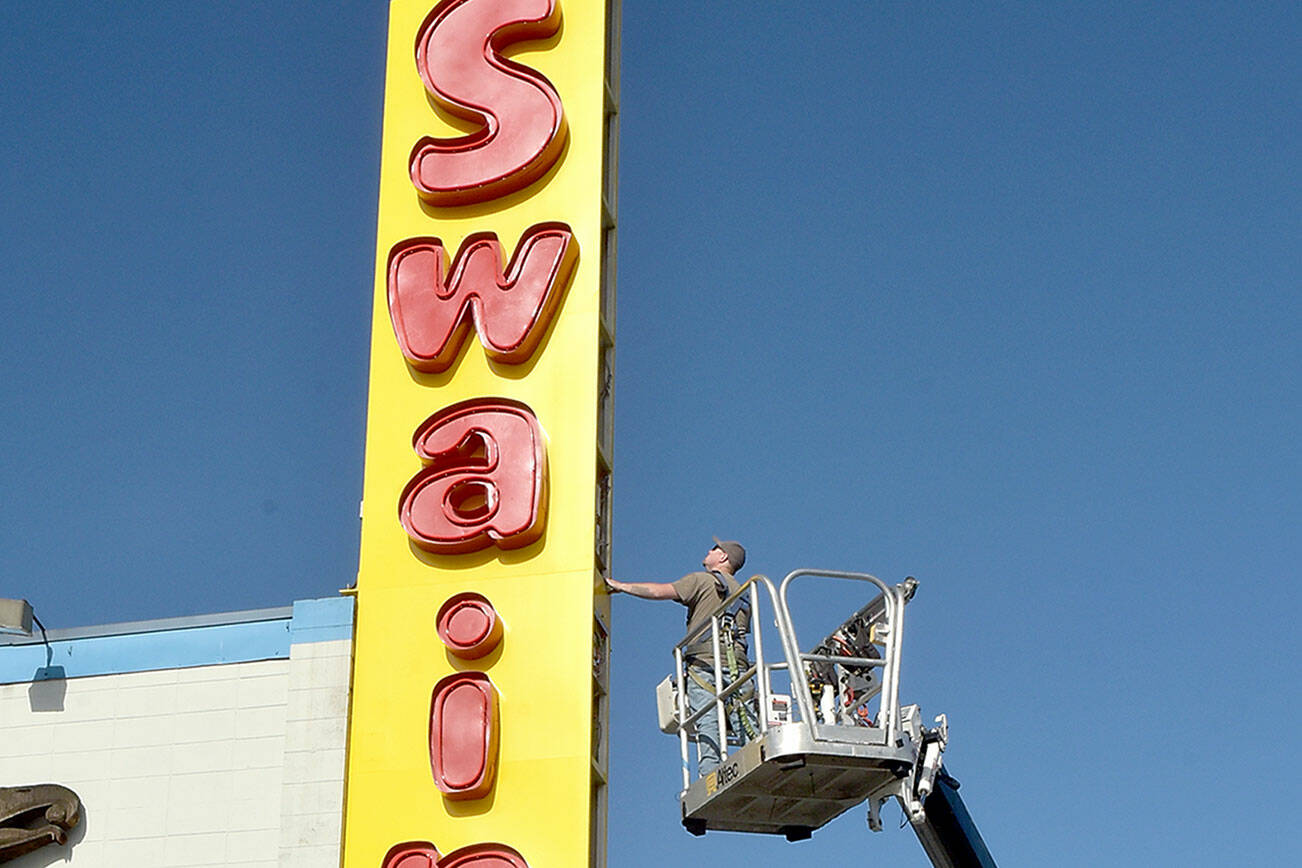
column 1002, row 295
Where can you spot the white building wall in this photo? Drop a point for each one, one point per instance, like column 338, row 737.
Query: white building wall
column 316, row 730
column 237, row 764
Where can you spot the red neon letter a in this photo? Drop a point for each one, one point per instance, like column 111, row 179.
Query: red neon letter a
column 510, row 311
column 485, row 480
column 522, row 125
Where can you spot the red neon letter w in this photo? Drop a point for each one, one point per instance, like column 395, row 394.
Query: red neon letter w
column 510, row 311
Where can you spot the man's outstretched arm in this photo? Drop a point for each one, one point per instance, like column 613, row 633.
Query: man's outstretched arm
column 645, row 590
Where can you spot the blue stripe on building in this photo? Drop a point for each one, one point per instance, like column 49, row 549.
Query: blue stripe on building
column 176, row 643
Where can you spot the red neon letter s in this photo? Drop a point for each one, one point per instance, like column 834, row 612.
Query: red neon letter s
column 485, row 481
column 523, row 129
column 510, row 312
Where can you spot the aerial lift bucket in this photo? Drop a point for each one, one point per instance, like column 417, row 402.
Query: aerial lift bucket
column 819, row 752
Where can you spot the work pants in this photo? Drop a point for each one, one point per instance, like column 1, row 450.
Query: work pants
column 707, row 727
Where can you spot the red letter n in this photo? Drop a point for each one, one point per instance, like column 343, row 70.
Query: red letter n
column 510, row 311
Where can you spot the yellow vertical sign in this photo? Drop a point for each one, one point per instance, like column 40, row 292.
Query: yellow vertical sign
column 471, row 156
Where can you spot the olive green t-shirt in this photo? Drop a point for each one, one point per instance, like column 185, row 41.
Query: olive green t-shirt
column 701, row 593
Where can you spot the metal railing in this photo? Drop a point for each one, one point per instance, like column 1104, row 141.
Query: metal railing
column 892, row 619
column 886, row 611
column 731, row 686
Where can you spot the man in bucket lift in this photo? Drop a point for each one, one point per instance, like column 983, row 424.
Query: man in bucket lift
column 702, row 592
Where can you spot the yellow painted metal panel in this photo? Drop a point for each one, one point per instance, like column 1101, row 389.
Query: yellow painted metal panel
column 545, row 593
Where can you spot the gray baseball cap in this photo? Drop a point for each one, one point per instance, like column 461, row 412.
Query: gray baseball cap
column 733, row 549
